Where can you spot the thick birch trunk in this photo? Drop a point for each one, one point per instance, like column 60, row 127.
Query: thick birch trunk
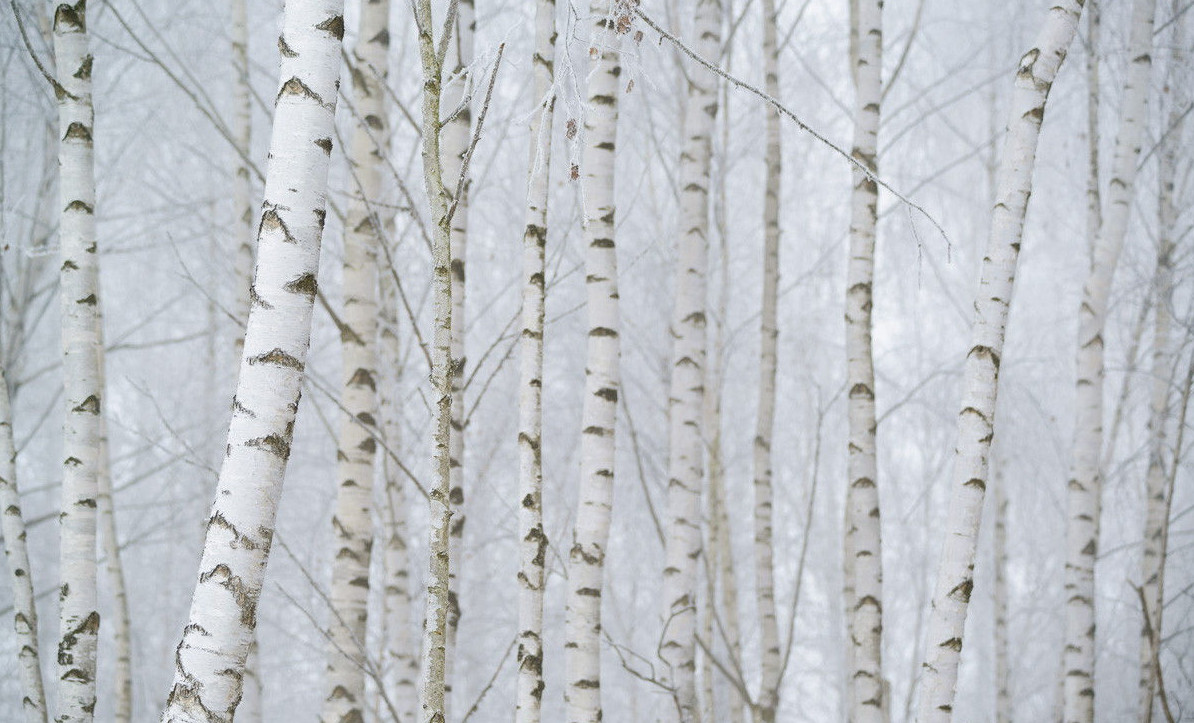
column 687, row 396
column 865, row 612
column 1085, row 484
column 532, row 538
column 352, row 526
column 81, row 345
column 210, row 659
column 586, row 560
column 955, row 575
column 12, row 527
column 768, row 698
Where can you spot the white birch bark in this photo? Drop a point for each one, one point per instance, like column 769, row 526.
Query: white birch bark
column 242, row 186
column 1003, row 694
column 352, row 525
column 122, row 670
column 1085, row 483
column 865, row 612
column 210, row 659
column 81, row 344
column 531, row 535
column 687, row 395
column 586, row 561
column 16, row 552
column 768, row 698
column 955, row 575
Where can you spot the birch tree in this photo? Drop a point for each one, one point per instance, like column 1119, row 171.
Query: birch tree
column 1083, row 501
column 81, row 345
column 865, row 611
column 955, row 575
column 210, row 658
column 532, row 538
column 16, row 552
column 586, row 559
column 687, row 396
column 352, row 526
column 242, row 185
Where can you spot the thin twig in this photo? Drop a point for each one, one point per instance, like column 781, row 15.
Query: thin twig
column 59, row 91
column 472, row 146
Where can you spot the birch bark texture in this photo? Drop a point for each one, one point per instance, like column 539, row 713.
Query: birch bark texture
column 767, row 701
column 955, row 574
column 210, row 659
column 352, row 524
column 1083, row 500
column 16, row 552
column 865, row 609
column 610, row 20
column 686, row 398
column 242, row 185
column 81, row 343
column 531, row 535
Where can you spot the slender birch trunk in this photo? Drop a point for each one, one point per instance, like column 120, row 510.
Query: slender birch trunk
column 12, row 527
column 455, row 143
column 352, row 525
column 122, row 670
column 768, row 698
column 210, row 658
column 1085, row 484
column 81, row 343
column 1156, row 527
column 955, row 575
column 242, row 185
column 865, row 614
column 532, row 538
column 586, row 560
column 687, row 396
column 1003, row 694
column 435, row 622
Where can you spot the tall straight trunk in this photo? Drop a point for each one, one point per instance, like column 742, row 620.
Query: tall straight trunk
column 122, row 671
column 955, row 575
column 768, row 698
column 81, row 341
column 242, row 185
column 1156, row 526
column 865, row 613
column 586, row 559
column 455, row 143
column 210, row 658
column 1085, row 483
column 435, row 620
column 1003, row 693
column 687, row 396
column 12, row 528
column 352, row 526
column 532, row 538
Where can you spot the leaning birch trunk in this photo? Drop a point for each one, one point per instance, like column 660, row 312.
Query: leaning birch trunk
column 532, row 538
column 79, row 296
column 1085, row 483
column 955, row 575
column 435, row 620
column 352, row 525
column 586, row 559
column 865, row 611
column 1003, row 695
column 767, row 701
column 210, row 658
column 12, row 527
column 455, row 142
column 687, row 396
column 1156, row 527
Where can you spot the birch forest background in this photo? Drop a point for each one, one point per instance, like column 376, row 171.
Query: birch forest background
column 712, row 360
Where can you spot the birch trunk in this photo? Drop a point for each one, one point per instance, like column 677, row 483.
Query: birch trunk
column 456, row 137
column 81, row 343
column 768, row 698
column 210, row 658
column 865, row 614
column 435, row 621
column 586, row 560
column 12, row 527
column 1156, row 527
column 955, row 575
column 532, row 538
column 122, row 670
column 352, row 526
column 242, row 185
column 1003, row 694
column 687, row 396
column 1085, row 484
